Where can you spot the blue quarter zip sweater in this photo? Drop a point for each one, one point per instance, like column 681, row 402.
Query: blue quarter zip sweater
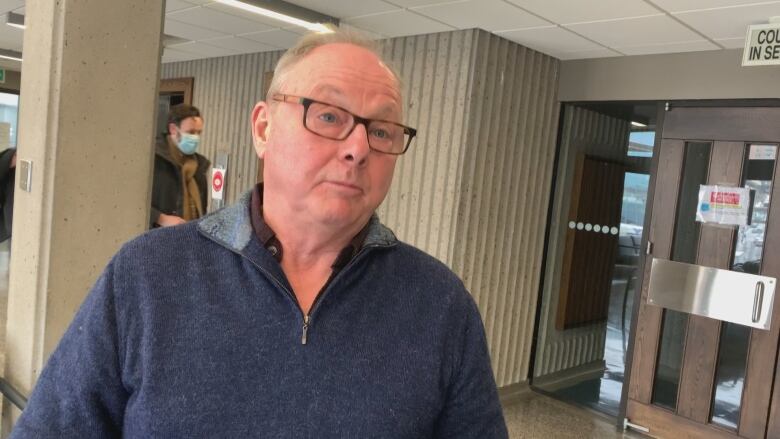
column 193, row 331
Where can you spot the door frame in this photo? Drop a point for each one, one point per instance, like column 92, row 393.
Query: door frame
column 663, row 107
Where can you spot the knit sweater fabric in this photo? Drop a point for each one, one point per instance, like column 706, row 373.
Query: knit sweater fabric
column 193, row 331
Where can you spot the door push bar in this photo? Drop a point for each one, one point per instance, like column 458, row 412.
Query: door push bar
column 712, row 292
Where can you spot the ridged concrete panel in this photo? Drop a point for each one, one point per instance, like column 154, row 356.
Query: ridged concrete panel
column 587, row 132
column 504, row 187
column 435, row 73
column 225, row 90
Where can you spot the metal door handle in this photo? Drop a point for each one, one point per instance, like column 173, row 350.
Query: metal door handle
column 758, row 300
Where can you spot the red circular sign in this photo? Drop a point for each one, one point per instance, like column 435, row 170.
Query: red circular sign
column 216, row 181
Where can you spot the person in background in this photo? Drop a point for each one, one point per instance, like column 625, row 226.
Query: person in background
column 293, row 313
column 180, row 186
column 7, row 178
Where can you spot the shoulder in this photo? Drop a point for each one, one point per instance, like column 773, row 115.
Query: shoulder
column 428, row 279
column 163, row 247
column 203, row 162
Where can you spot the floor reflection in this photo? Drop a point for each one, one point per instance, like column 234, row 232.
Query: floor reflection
column 603, row 393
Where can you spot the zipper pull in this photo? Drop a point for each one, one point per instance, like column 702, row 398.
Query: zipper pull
column 305, row 328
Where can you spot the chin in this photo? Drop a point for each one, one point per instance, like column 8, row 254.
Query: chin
column 342, row 215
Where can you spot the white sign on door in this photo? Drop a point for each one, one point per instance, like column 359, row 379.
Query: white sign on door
column 723, row 205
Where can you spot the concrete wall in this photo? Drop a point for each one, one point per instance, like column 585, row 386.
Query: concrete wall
column 504, row 189
column 472, row 190
column 91, row 170
column 697, row 75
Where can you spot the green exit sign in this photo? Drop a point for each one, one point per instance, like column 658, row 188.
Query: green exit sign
column 2, row 76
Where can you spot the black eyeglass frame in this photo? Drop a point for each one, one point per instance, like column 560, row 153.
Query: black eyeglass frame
column 306, row 102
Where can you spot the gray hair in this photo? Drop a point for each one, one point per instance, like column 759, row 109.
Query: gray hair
column 313, row 40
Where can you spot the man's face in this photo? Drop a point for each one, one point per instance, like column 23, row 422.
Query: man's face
column 190, row 125
column 319, row 180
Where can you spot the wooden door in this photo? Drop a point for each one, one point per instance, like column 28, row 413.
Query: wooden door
column 693, row 376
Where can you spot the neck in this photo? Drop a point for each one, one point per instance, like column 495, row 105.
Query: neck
column 306, row 243
column 310, row 248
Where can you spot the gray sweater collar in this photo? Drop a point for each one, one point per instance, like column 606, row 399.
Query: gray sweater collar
column 232, row 227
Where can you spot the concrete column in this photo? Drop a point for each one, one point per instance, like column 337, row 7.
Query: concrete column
column 87, row 114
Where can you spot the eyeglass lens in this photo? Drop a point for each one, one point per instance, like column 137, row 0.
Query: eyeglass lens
column 335, row 123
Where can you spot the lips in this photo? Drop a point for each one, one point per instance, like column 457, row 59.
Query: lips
column 345, row 186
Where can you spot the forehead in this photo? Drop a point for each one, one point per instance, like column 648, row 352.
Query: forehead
column 343, row 69
column 191, row 122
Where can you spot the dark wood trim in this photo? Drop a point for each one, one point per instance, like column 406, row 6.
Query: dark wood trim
column 773, row 427
column 763, row 349
column 665, row 424
column 178, row 86
column 759, row 124
column 703, row 334
column 661, row 233
column 568, row 252
column 654, row 167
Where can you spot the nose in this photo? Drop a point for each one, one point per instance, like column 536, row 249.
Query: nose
column 354, row 148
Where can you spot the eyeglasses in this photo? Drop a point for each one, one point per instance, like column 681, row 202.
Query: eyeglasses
column 336, row 123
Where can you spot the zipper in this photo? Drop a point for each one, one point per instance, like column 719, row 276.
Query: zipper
column 306, row 317
column 306, row 320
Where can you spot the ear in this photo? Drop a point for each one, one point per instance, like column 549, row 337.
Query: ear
column 172, row 129
column 261, row 125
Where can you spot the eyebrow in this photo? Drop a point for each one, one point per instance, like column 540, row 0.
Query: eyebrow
column 331, row 91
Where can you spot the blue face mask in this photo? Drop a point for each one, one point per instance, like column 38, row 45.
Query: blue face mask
column 188, row 143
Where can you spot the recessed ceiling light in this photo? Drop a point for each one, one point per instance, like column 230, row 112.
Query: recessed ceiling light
column 15, row 20
column 638, row 124
column 10, row 54
column 315, row 27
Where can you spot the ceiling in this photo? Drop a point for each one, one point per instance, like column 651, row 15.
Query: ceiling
column 565, row 29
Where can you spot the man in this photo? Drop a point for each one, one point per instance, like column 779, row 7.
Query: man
column 179, row 190
column 294, row 313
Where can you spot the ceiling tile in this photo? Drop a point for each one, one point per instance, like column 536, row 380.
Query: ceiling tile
column 398, row 24
column 596, row 53
column 580, row 11
column 685, row 46
column 10, row 5
column 177, row 5
column 368, row 34
column 213, row 19
column 279, row 38
column 691, row 5
column 203, row 49
column 492, row 15
column 188, row 31
column 11, row 38
column 729, row 22
column 416, row 3
column 345, row 8
column 173, row 55
column 266, row 23
column 240, row 45
column 732, row 43
column 551, row 40
column 643, row 31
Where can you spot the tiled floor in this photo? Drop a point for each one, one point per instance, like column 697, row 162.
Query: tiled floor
column 539, row 416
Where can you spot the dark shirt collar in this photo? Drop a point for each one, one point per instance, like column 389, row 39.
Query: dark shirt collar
column 268, row 239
